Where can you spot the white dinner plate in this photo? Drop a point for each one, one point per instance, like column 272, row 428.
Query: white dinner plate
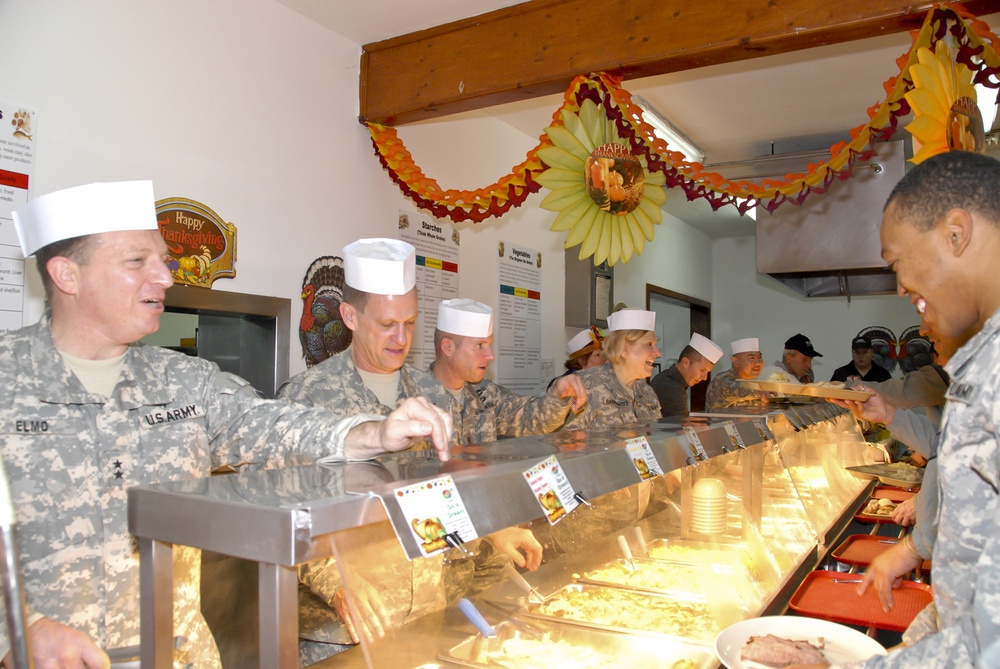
column 842, row 644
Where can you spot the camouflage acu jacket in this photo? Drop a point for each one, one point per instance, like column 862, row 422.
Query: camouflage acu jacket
column 609, row 403
column 490, row 411
column 726, row 392
column 966, row 569
column 336, row 385
column 70, row 456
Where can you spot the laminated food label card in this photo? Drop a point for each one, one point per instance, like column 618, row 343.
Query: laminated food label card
column 697, row 449
column 552, row 489
column 762, row 430
column 734, row 435
column 436, row 515
column 642, row 458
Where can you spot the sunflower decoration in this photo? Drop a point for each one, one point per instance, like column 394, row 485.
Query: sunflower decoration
column 943, row 100
column 606, row 197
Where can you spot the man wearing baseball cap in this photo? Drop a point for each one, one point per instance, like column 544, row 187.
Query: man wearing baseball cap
column 861, row 367
column 692, row 367
column 98, row 412
column 486, row 410
column 797, row 358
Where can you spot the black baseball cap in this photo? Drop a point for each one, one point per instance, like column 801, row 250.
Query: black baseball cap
column 802, row 344
column 861, row 341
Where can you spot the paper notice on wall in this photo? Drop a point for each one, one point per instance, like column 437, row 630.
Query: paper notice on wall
column 519, row 320
column 17, row 167
column 437, row 245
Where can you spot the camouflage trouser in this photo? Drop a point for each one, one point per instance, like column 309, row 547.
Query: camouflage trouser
column 311, row 652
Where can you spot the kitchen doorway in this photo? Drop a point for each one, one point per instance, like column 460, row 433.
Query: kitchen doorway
column 678, row 316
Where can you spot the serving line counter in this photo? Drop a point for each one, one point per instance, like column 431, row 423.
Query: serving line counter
column 747, row 505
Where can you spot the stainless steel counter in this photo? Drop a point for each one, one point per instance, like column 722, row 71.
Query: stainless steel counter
column 284, row 518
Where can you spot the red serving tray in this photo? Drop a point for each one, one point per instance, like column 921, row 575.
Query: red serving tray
column 861, row 549
column 896, row 495
column 820, row 597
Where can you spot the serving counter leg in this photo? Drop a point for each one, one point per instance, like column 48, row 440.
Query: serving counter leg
column 156, row 603
column 279, row 616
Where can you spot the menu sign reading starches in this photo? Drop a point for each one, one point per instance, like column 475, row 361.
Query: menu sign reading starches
column 201, row 245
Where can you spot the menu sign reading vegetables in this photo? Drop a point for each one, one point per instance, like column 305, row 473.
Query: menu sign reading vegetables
column 202, row 246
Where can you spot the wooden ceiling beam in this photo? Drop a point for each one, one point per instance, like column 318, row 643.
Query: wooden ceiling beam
column 537, row 47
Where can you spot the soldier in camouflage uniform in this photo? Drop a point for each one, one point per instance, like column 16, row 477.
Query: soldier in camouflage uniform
column 370, row 377
column 88, row 413
column 617, row 391
column 486, row 410
column 725, row 391
column 941, row 235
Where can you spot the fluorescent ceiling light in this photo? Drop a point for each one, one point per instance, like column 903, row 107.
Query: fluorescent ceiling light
column 675, row 139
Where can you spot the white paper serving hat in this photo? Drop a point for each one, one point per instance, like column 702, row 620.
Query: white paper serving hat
column 750, row 345
column 466, row 318
column 632, row 319
column 580, row 340
column 706, row 347
column 380, row 266
column 85, row 210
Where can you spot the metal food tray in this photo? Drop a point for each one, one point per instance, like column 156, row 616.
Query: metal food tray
column 809, row 390
column 693, row 594
column 885, row 475
column 737, row 548
column 531, row 611
column 636, row 652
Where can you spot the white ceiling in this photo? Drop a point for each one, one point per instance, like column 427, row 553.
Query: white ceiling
column 796, row 101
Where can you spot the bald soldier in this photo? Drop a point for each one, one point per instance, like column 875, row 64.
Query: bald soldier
column 725, row 391
column 693, row 366
column 90, row 412
column 484, row 411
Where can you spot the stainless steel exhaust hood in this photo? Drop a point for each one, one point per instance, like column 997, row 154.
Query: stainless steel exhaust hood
column 829, row 246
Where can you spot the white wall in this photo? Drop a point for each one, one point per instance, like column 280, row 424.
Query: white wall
column 747, row 304
column 251, row 109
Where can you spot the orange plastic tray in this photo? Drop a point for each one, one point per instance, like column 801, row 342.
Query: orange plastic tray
column 820, row 597
column 896, row 495
column 861, row 549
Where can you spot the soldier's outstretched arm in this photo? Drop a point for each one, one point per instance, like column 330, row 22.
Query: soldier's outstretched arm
column 413, row 421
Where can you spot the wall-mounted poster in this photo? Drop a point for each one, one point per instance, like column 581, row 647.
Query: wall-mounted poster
column 17, row 166
column 518, row 343
column 202, row 245
column 437, row 245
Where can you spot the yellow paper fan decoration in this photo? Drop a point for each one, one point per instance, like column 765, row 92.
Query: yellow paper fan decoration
column 943, row 100
column 605, row 196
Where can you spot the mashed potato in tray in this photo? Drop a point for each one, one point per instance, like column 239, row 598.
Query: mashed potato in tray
column 650, row 575
column 534, row 653
column 903, row 471
column 634, row 611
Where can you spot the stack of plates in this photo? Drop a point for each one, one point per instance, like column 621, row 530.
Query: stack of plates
column 708, row 506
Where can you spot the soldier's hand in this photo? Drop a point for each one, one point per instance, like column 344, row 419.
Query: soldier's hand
column 571, row 386
column 874, row 409
column 905, row 513
column 413, row 421
column 886, row 572
column 520, row 545
column 56, row 645
column 367, row 616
